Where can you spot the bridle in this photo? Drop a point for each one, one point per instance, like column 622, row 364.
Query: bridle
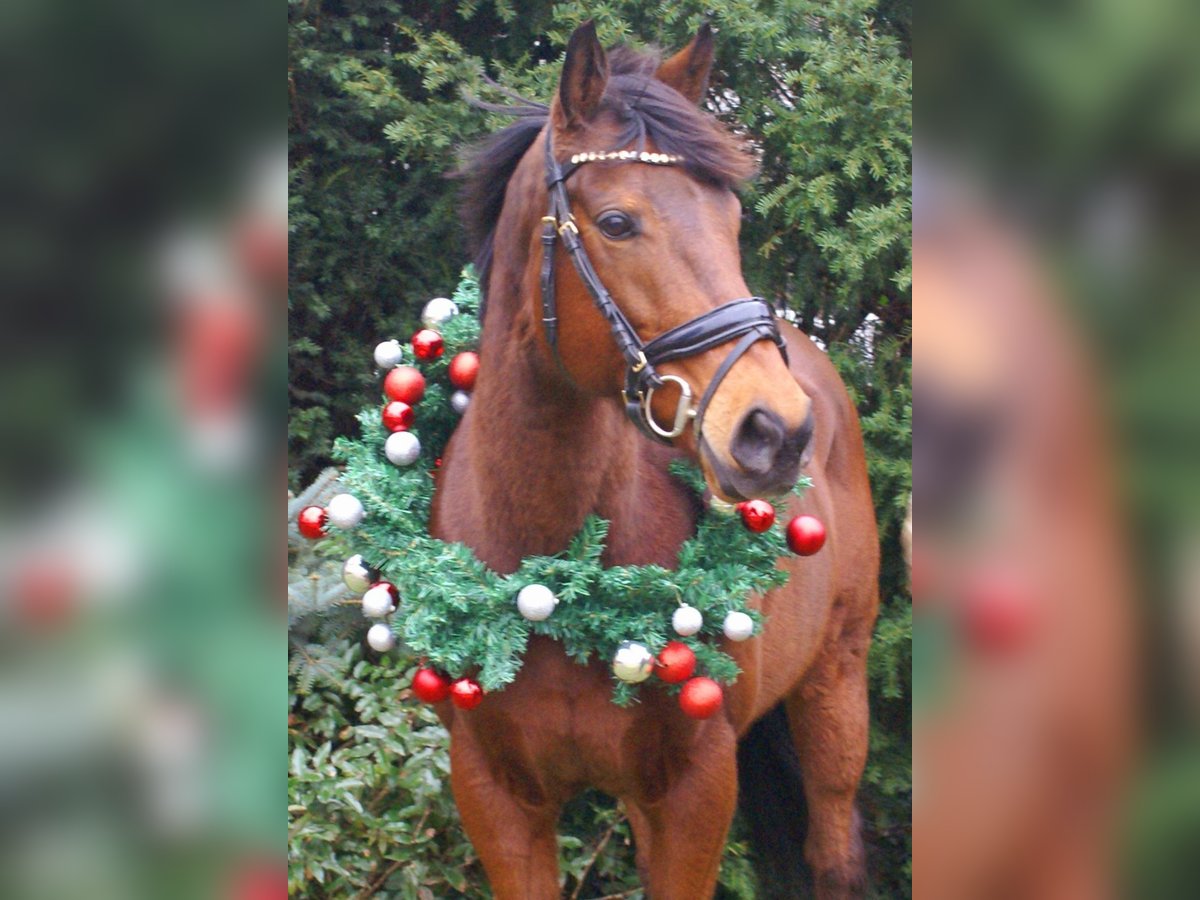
column 750, row 319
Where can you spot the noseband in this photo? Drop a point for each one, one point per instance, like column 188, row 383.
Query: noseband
column 749, row 319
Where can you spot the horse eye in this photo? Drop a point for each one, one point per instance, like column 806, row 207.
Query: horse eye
column 616, row 225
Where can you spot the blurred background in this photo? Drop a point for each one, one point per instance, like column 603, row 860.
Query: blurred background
column 1055, row 233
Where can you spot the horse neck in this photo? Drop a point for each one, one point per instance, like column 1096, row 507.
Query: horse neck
column 545, row 453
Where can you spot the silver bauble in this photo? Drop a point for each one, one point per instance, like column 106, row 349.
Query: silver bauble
column 738, row 626
column 402, row 448
column 377, row 602
column 380, row 638
column 438, row 312
column 687, row 620
column 389, row 354
column 536, row 602
column 633, row 662
column 460, row 400
column 357, row 575
column 345, row 511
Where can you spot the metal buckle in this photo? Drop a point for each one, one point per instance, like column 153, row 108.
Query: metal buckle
column 568, row 225
column 642, row 363
column 552, row 221
column 683, row 412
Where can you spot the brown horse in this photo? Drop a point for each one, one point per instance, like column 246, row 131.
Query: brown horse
column 546, row 442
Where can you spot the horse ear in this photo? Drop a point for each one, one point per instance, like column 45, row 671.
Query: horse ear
column 584, row 75
column 687, row 71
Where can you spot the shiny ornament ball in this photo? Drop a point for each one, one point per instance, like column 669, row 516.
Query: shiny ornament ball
column 676, row 663
column 633, row 662
column 428, row 344
column 406, row 384
column 700, row 697
column 459, row 401
column 466, row 693
column 345, row 511
column 357, row 575
column 463, row 370
column 536, row 602
column 738, row 626
column 805, row 535
column 312, row 521
column 687, row 620
column 430, row 686
column 438, row 312
column 397, row 416
column 389, row 354
column 402, row 448
column 757, row 515
column 380, row 638
column 379, row 600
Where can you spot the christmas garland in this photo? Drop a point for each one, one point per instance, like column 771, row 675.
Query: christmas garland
column 472, row 624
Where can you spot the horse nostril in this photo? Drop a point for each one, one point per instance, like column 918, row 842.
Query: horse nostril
column 758, row 440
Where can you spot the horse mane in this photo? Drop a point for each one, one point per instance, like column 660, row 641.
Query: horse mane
column 643, row 106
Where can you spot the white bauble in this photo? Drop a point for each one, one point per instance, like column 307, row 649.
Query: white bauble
column 380, row 638
column 536, row 602
column 345, row 510
column 377, row 602
column 438, row 312
column 738, row 626
column 389, row 354
column 357, row 575
column 633, row 662
column 460, row 400
column 402, row 448
column 687, row 620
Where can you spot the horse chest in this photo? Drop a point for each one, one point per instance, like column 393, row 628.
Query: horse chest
column 555, row 730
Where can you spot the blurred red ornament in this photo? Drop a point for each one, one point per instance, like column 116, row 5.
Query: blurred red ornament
column 45, row 592
column 757, row 515
column 406, row 384
column 427, row 344
column 700, row 697
column 463, row 370
column 430, row 686
column 998, row 611
column 466, row 693
column 397, row 416
column 259, row 880
column 312, row 521
column 676, row 663
column 805, row 535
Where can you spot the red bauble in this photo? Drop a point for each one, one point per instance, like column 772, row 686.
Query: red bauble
column 311, row 522
column 676, row 663
column 466, row 693
column 406, row 384
column 757, row 515
column 463, row 370
column 397, row 416
column 427, row 344
column 805, row 535
column 430, row 686
column 700, row 697
column 998, row 612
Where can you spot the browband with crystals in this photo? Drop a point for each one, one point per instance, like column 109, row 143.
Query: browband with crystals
column 748, row 320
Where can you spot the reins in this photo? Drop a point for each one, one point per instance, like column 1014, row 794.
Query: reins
column 750, row 318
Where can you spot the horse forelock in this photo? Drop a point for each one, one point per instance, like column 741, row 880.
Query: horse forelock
column 643, row 109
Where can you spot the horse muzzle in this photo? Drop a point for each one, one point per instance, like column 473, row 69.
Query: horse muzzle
column 766, row 457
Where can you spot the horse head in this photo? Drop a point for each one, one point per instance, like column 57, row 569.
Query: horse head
column 647, row 182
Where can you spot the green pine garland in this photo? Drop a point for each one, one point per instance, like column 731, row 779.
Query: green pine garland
column 462, row 617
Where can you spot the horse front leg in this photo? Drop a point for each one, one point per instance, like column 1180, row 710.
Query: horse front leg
column 829, row 719
column 680, row 827
column 511, row 825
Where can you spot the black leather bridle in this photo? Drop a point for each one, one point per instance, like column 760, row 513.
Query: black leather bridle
column 749, row 319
